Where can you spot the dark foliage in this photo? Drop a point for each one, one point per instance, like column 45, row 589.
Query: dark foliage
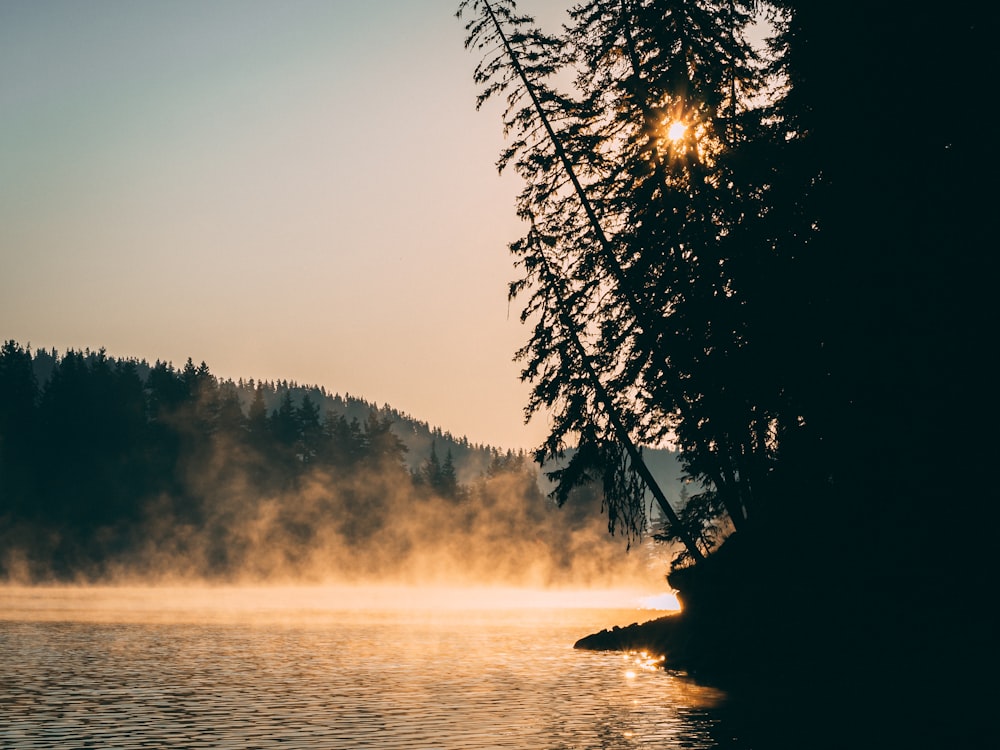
column 115, row 468
column 796, row 291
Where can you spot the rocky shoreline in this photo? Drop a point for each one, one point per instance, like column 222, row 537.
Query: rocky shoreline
column 816, row 685
column 668, row 638
column 654, row 636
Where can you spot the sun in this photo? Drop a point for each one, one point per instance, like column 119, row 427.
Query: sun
column 676, row 130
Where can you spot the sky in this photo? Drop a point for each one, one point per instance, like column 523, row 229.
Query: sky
column 296, row 190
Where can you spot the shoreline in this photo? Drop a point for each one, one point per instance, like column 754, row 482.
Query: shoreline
column 821, row 684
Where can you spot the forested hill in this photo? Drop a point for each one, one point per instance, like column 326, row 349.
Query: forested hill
column 114, row 467
column 419, row 437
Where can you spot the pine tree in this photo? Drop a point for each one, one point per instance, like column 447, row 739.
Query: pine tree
column 430, row 471
column 310, row 427
column 447, row 484
column 626, row 263
column 18, row 416
column 257, row 415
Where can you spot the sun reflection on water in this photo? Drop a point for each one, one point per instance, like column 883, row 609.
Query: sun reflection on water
column 641, row 661
column 337, row 666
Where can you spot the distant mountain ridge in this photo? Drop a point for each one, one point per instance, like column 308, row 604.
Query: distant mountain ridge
column 470, row 459
column 115, row 469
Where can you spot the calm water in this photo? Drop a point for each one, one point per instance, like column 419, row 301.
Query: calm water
column 143, row 669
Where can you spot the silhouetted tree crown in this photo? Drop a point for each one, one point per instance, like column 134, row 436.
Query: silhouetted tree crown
column 755, row 250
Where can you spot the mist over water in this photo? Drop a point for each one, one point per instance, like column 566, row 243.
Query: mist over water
column 331, row 667
column 201, row 585
column 311, row 604
column 365, row 527
column 116, row 474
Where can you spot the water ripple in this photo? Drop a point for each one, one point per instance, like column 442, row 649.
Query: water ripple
column 353, row 682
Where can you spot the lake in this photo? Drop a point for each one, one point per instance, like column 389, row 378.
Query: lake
column 333, row 668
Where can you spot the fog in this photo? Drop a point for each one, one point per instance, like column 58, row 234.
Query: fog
column 304, row 604
column 112, row 480
column 368, row 527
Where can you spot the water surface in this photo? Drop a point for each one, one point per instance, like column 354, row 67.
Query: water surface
column 127, row 673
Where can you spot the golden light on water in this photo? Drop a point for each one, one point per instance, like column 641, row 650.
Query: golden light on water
column 298, row 603
column 641, row 661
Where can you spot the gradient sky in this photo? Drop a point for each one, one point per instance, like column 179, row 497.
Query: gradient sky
column 298, row 189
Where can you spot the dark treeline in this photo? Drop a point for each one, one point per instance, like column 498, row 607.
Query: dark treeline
column 777, row 254
column 114, row 468
column 471, row 459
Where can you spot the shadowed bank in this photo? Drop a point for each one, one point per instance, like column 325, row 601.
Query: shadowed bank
column 743, row 235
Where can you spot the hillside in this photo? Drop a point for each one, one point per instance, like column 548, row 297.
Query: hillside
column 470, row 459
column 115, row 468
